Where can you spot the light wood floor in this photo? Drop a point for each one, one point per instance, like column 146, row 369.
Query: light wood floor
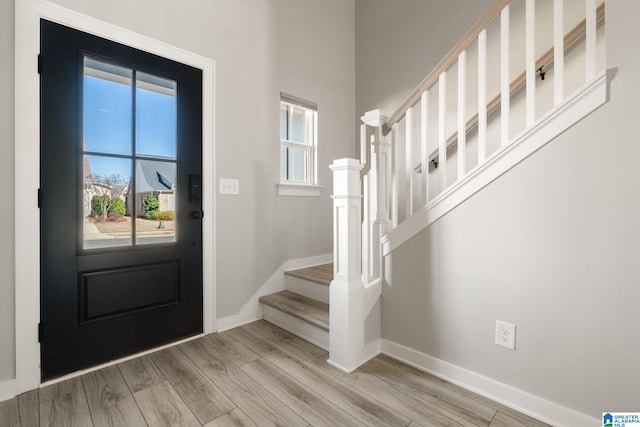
column 256, row 374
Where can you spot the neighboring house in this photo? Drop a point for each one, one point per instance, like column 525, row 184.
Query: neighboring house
column 155, row 177
column 93, row 187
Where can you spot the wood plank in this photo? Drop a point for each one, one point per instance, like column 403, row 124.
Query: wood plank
column 204, row 398
column 421, row 387
column 238, row 353
column 110, row 401
column 351, row 400
column 321, row 363
column 140, row 373
column 286, row 340
column 302, row 400
column 28, row 404
column 68, row 409
column 256, row 402
column 244, row 334
column 425, row 412
column 307, row 309
column 10, row 412
column 319, row 273
column 60, row 389
column 161, row 406
column 485, row 401
column 502, row 420
column 234, row 418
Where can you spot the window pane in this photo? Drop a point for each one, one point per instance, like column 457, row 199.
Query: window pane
column 155, row 116
column 155, row 202
column 106, row 192
column 106, row 107
column 297, row 125
column 283, row 164
column 299, row 159
column 283, row 121
column 297, row 164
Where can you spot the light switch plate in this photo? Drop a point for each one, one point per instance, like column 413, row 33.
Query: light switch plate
column 229, row 186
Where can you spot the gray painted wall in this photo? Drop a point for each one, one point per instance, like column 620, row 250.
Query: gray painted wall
column 398, row 42
column 551, row 246
column 303, row 47
column 7, row 295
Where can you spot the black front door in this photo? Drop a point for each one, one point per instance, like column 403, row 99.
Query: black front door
column 121, row 230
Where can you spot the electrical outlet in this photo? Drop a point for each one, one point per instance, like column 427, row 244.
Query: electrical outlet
column 229, row 186
column 506, row 334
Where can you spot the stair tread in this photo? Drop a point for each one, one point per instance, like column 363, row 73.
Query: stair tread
column 307, row 309
column 322, row 274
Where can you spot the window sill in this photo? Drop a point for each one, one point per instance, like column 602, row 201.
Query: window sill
column 299, row 190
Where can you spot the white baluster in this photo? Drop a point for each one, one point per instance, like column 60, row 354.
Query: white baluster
column 424, row 145
column 442, row 137
column 590, row 39
column 462, row 106
column 394, row 175
column 530, row 61
column 558, row 51
column 505, row 83
column 408, row 189
column 367, row 193
column 482, row 96
column 378, row 220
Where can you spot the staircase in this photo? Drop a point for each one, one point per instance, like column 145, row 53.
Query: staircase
column 303, row 307
column 471, row 120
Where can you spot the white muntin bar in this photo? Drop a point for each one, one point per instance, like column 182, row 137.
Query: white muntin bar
column 558, row 51
column 462, row 105
column 505, row 84
column 590, row 44
column 424, row 145
column 482, row 96
column 408, row 167
column 530, row 60
column 442, row 138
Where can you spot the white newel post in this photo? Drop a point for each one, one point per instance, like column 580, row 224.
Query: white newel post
column 379, row 182
column 346, row 293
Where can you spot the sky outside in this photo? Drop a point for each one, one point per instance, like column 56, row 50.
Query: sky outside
column 108, row 124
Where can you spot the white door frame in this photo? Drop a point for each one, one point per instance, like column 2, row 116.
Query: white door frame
column 27, row 167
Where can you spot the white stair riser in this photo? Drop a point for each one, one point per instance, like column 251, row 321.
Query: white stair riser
column 309, row 289
column 296, row 326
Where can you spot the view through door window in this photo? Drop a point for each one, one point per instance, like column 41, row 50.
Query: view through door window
column 129, row 157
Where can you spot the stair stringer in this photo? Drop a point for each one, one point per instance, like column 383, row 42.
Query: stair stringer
column 584, row 101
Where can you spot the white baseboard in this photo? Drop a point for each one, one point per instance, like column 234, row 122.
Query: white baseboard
column 534, row 406
column 252, row 309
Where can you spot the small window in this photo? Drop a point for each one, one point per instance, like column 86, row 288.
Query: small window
column 298, row 137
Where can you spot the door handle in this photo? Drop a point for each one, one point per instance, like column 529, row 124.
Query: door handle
column 196, row 214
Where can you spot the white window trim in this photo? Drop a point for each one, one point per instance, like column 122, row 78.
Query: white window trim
column 308, row 188
column 301, row 190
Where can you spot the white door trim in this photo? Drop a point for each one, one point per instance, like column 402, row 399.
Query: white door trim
column 27, row 161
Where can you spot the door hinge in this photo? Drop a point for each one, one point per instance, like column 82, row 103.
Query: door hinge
column 39, row 332
column 39, row 63
column 39, row 197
